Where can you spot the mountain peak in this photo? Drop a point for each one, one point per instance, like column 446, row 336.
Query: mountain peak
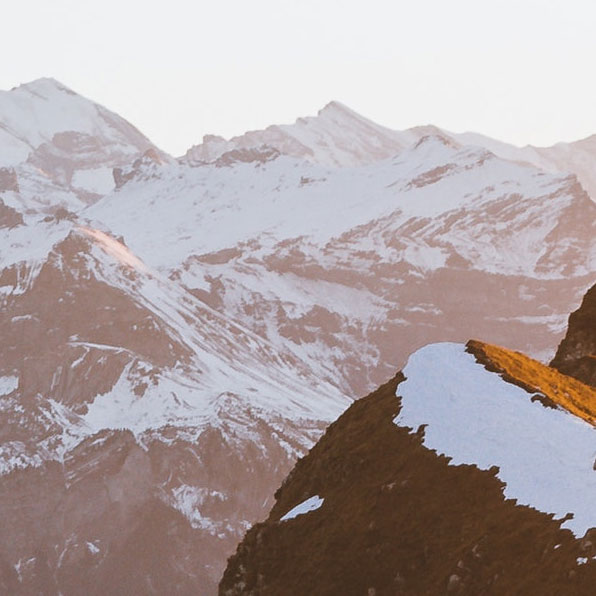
column 44, row 86
column 74, row 141
column 336, row 107
column 336, row 136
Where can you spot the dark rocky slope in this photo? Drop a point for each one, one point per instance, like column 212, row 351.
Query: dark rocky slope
column 398, row 519
column 576, row 355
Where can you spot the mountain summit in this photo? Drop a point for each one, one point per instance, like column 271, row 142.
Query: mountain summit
column 72, row 140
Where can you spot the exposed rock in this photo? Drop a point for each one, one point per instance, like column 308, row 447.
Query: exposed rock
column 141, row 168
column 258, row 155
column 9, row 217
column 8, row 180
column 576, row 355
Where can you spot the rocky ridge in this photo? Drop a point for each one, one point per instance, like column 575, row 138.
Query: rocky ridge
column 576, row 355
column 402, row 510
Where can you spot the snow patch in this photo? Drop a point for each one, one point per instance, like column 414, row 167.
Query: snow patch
column 545, row 456
column 189, row 500
column 304, row 507
column 98, row 180
column 8, row 384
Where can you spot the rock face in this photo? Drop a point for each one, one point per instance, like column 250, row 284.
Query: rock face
column 8, row 180
column 576, row 355
column 95, row 342
column 9, row 217
column 399, row 517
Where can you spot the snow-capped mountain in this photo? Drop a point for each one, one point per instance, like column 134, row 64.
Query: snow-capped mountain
column 472, row 471
column 337, row 136
column 58, row 147
column 317, row 258
column 577, row 157
column 103, row 356
column 175, row 338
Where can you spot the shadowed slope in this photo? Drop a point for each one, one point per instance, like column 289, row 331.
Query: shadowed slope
column 576, row 355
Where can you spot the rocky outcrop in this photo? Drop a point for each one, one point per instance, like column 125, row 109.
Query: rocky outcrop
column 9, row 217
column 140, row 168
column 8, row 180
column 399, row 518
column 576, row 355
column 256, row 155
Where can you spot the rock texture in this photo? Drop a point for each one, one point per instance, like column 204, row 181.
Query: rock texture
column 576, row 355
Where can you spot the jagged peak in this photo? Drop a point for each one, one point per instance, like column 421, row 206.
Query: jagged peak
column 211, row 138
column 425, row 130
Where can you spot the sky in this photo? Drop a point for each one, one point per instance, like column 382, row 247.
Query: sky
column 520, row 71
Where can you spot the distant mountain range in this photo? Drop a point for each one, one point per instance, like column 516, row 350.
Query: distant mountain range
column 178, row 331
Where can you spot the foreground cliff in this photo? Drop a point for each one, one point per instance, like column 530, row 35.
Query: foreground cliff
column 474, row 479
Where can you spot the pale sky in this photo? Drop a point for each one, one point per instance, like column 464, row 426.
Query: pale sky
column 522, row 71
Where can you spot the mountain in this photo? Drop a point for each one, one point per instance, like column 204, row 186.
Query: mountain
column 470, row 472
column 576, row 355
column 137, row 411
column 337, row 136
column 576, row 157
column 367, row 252
column 174, row 340
column 56, row 142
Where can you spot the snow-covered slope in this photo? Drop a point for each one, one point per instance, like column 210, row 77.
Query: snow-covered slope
column 485, row 201
column 338, row 136
column 174, row 360
column 577, row 157
column 319, row 258
column 95, row 343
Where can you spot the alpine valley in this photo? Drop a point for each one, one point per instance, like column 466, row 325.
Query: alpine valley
column 177, row 332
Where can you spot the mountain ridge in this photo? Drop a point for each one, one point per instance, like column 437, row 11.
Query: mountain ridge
column 412, row 517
